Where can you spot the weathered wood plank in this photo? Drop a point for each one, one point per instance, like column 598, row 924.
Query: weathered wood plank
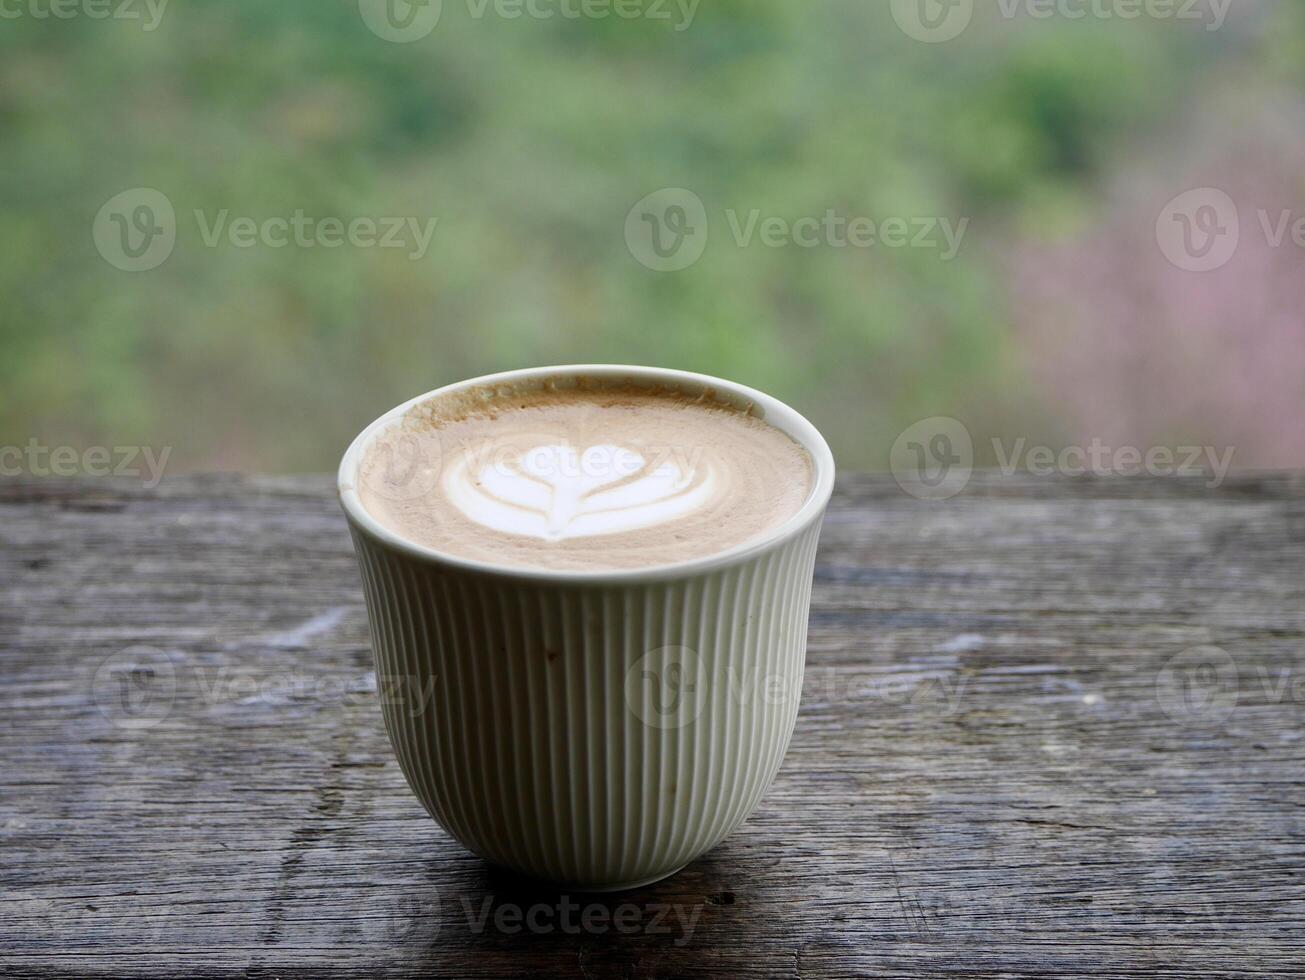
column 1000, row 767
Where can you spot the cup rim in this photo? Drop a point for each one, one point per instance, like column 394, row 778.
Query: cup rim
column 772, row 411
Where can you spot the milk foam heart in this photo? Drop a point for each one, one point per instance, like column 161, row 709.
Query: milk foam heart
column 555, row 492
column 590, row 477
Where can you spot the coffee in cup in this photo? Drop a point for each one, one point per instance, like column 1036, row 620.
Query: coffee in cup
column 588, row 591
column 583, row 473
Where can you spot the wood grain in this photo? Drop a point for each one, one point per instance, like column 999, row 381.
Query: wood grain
column 1020, row 751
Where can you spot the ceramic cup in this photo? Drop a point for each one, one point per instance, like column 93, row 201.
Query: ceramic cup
column 598, row 729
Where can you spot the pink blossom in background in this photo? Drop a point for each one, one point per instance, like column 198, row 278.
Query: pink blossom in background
column 1128, row 348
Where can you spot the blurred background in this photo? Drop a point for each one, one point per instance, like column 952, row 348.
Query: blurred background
column 243, row 229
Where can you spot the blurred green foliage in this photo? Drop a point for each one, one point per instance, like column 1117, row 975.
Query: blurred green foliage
column 530, row 140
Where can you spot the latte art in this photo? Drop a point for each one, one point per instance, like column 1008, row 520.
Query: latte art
column 593, row 476
column 555, row 492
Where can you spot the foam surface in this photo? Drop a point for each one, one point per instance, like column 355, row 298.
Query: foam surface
column 587, row 477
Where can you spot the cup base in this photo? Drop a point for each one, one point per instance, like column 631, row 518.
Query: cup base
column 624, row 886
column 631, row 885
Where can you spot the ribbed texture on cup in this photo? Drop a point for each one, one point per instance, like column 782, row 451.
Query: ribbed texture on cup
column 593, row 735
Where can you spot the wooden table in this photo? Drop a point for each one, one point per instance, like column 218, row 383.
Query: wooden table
column 1049, row 728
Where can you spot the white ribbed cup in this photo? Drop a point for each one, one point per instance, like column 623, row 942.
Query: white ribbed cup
column 597, row 729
